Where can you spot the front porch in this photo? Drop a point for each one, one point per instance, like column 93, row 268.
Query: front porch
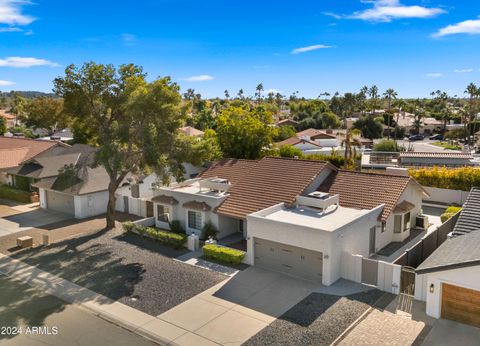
column 234, row 241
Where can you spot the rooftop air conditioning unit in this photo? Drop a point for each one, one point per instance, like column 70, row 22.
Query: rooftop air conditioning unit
column 421, row 222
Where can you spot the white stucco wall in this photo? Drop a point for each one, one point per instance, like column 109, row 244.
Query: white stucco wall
column 446, row 195
column 353, row 239
column 43, row 198
column 91, row 204
column 468, row 277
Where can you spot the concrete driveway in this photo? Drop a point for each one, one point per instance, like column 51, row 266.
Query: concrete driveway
column 446, row 333
column 236, row 309
column 22, row 218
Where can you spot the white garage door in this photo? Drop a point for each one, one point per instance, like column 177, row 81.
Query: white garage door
column 289, row 259
column 60, row 202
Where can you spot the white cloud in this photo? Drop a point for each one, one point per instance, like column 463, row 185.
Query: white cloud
column 434, row 75
column 464, row 70
column 310, row 48
column 199, row 78
column 11, row 29
column 388, row 10
column 6, row 83
column 11, row 12
column 470, row 27
column 24, row 62
column 129, row 39
column 275, row 91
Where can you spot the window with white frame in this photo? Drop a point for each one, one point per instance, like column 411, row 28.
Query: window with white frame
column 406, row 222
column 194, row 219
column 397, row 224
column 163, row 213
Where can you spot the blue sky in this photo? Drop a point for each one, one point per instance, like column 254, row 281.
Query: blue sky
column 413, row 46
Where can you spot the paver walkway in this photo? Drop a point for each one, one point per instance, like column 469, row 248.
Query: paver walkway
column 384, row 328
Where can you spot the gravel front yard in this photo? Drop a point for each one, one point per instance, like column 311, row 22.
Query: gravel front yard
column 133, row 270
column 317, row 320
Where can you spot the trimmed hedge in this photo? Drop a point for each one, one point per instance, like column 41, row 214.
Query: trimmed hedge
column 11, row 193
column 175, row 240
column 463, row 178
column 449, row 212
column 223, row 254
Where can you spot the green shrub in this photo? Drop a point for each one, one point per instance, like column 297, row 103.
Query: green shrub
column 209, row 230
column 223, row 254
column 387, row 145
column 128, row 226
column 449, row 212
column 141, row 229
column 11, row 193
column 176, row 227
column 463, row 178
column 175, row 240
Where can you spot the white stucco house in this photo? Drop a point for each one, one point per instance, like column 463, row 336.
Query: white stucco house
column 449, row 279
column 294, row 216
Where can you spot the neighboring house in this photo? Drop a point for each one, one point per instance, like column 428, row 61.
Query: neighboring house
column 288, row 122
column 9, row 118
column 81, row 191
column 430, row 125
column 64, row 135
column 313, row 141
column 297, row 216
column 383, row 160
column 447, row 159
column 449, row 279
column 15, row 151
column 191, row 131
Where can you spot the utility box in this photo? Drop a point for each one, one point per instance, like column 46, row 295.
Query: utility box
column 193, row 242
column 24, row 242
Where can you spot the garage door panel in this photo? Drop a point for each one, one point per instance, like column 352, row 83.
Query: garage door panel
column 60, row 202
column 288, row 259
column 461, row 304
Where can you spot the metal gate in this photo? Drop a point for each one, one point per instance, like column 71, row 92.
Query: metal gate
column 407, row 289
column 369, row 271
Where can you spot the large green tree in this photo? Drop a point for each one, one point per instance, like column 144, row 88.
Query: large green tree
column 244, row 133
column 132, row 122
column 45, row 113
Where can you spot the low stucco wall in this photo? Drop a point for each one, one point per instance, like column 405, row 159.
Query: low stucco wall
column 446, row 196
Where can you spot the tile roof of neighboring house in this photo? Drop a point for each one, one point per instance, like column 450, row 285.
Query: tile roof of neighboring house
column 6, row 115
column 191, row 131
column 14, row 151
column 231, row 169
column 48, row 163
column 456, row 252
column 315, row 134
column 432, row 121
column 195, row 205
column 366, row 190
column 269, row 182
column 287, row 122
column 439, row 155
column 296, row 140
column 469, row 218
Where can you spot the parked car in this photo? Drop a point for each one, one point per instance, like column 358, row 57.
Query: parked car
column 415, row 138
column 437, row 137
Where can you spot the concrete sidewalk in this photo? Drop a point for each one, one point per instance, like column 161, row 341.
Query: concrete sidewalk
column 136, row 321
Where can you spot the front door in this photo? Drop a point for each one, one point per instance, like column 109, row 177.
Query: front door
column 125, row 204
column 149, row 208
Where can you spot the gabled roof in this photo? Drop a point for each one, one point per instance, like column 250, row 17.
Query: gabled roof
column 287, row 122
column 456, row 252
column 14, row 151
column 231, row 169
column 366, row 190
column 315, row 134
column 196, row 205
column 269, row 182
column 191, row 131
column 163, row 199
column 296, row 140
column 469, row 218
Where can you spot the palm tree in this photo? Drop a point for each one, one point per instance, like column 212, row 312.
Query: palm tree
column 240, row 94
column 400, row 106
column 227, row 94
column 349, row 143
column 373, row 93
column 389, row 95
column 474, row 93
column 258, row 91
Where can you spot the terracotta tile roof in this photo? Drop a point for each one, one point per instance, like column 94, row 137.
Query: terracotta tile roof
column 14, row 151
column 191, row 131
column 366, row 190
column 269, row 182
column 164, row 199
column 439, row 155
column 315, row 134
column 296, row 140
column 231, row 169
column 195, row 205
column 287, row 122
